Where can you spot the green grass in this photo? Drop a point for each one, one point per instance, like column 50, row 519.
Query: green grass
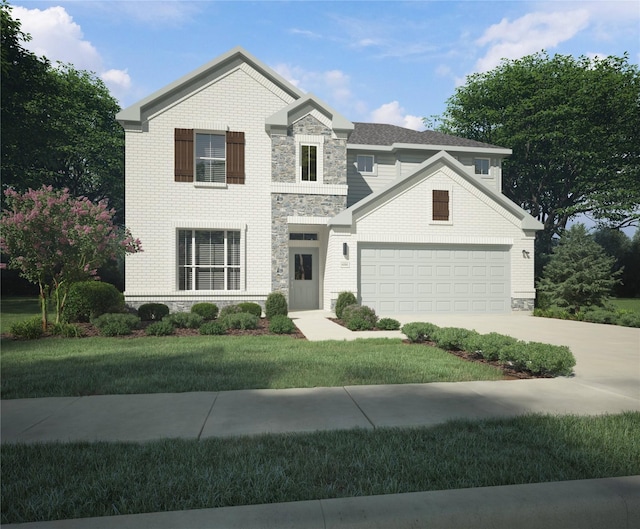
column 56, row 367
column 17, row 309
column 61, row 481
column 632, row 304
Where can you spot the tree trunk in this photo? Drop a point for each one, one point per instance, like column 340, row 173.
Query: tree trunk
column 43, row 306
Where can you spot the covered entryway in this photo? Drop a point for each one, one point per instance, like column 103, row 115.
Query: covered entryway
column 304, row 291
column 416, row 278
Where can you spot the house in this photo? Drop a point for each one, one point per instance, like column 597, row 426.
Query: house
column 239, row 184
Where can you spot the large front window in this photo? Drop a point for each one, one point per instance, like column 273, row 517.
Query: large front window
column 210, row 158
column 208, row 260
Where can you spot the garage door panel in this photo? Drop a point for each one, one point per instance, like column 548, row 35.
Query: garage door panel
column 405, row 278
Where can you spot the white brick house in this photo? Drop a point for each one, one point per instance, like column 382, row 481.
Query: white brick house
column 238, row 184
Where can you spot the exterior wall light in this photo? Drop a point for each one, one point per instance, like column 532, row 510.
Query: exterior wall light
column 525, row 254
column 345, row 249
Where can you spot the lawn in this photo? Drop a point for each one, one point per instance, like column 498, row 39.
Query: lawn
column 17, row 309
column 56, row 367
column 59, row 481
column 632, row 304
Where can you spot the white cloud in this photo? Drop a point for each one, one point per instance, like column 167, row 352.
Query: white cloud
column 334, row 85
column 528, row 34
column 393, row 114
column 56, row 36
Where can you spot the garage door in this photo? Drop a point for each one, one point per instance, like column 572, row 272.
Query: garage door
column 396, row 279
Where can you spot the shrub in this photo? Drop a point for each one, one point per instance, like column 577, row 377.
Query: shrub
column 344, row 300
column 452, row 338
column 251, row 308
column 116, row 324
column 359, row 317
column 67, row 330
column 542, row 359
column 553, row 312
column 213, row 328
column 27, row 329
column 629, row 319
column 208, row 311
column 241, row 320
column 184, row 320
column 418, row 331
column 276, row 305
column 600, row 315
column 388, row 324
column 153, row 311
column 280, row 324
column 159, row 328
column 227, row 310
column 89, row 299
column 489, row 345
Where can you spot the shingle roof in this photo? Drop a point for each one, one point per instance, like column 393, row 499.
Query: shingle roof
column 382, row 134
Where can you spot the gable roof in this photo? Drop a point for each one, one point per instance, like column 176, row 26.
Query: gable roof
column 371, row 134
column 137, row 112
column 285, row 116
column 345, row 218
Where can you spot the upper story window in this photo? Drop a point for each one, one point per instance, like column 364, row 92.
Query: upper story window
column 440, row 205
column 209, row 157
column 481, row 165
column 309, row 163
column 365, row 163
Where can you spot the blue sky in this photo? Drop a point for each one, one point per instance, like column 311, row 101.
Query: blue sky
column 389, row 62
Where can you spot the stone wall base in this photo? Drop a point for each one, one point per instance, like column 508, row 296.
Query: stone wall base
column 522, row 304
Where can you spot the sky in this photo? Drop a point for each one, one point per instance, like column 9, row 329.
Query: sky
column 374, row 61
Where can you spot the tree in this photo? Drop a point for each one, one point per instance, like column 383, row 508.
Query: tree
column 54, row 240
column 58, row 125
column 617, row 244
column 573, row 126
column 579, row 273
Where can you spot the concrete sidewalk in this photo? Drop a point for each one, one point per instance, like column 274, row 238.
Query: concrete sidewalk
column 607, row 380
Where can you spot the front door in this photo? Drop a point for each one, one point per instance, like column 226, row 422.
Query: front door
column 303, row 279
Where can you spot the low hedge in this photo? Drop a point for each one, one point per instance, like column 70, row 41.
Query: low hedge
column 359, row 317
column 184, row 320
column 606, row 315
column 160, row 328
column 281, row 324
column 208, row 311
column 240, row 320
column 388, row 324
column 27, row 329
column 118, row 324
column 212, row 328
column 538, row 358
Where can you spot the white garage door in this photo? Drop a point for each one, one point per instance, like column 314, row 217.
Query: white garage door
column 396, row 279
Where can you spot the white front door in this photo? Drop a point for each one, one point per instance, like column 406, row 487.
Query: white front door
column 303, row 279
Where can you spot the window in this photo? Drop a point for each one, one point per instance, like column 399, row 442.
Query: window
column 303, row 267
column 481, row 165
column 365, row 163
column 303, row 236
column 208, row 260
column 440, row 205
column 309, row 163
column 218, row 157
column 210, row 158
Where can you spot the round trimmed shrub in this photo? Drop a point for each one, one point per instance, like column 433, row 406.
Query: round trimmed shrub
column 280, row 324
column 153, row 311
column 489, row 345
column 89, row 299
column 419, row 331
column 159, row 328
column 229, row 309
column 184, row 320
column 208, row 311
column 27, row 329
column 275, row 305
column 251, row 308
column 213, row 328
column 241, row 320
column 344, row 300
column 359, row 317
column 118, row 324
column 452, row 338
column 388, row 324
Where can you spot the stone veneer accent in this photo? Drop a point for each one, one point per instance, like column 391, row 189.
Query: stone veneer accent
column 522, row 304
column 294, row 205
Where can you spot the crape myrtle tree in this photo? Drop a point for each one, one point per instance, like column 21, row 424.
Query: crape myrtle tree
column 54, row 239
column 574, row 127
column 579, row 273
column 58, row 125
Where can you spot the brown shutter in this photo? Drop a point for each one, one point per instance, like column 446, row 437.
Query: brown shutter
column 183, row 155
column 235, row 157
column 440, row 205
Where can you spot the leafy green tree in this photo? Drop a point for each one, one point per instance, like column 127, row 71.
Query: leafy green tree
column 617, row 244
column 54, row 240
column 579, row 273
column 58, row 125
column 573, row 125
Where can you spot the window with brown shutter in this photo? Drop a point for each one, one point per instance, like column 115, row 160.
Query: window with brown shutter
column 183, row 155
column 235, row 157
column 440, row 205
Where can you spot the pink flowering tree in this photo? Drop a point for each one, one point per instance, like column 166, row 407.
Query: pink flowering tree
column 54, row 239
